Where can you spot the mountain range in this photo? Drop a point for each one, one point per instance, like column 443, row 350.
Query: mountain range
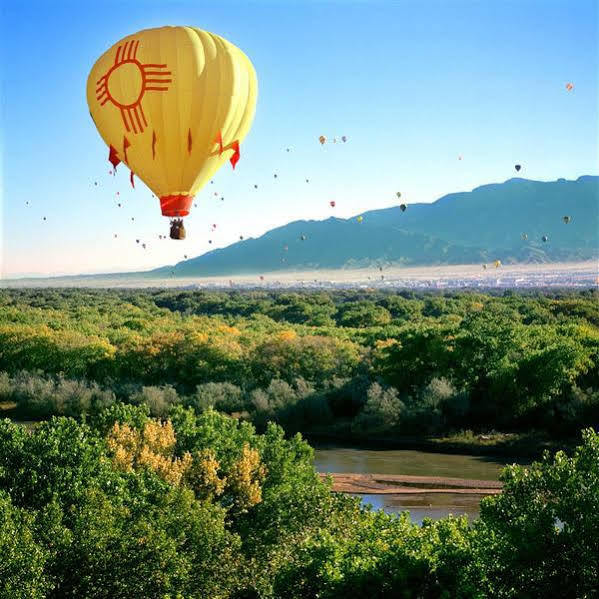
column 482, row 225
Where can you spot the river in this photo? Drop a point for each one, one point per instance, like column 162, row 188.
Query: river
column 329, row 458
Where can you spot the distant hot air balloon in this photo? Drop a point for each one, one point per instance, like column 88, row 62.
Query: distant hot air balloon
column 545, row 239
column 143, row 245
column 173, row 104
column 303, row 237
column 567, row 219
column 275, row 175
column 241, row 237
column 524, row 236
column 307, row 180
column 398, row 194
column 343, row 138
column 497, row 263
column 484, row 267
column 332, row 203
column 115, row 235
column 518, row 167
column 185, row 256
column 360, row 219
column 322, row 139
column 261, row 278
column 95, row 183
column 403, row 207
column 569, row 86
column 255, row 187
column 137, row 241
column 459, row 157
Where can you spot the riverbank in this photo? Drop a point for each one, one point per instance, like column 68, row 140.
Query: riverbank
column 398, row 484
column 496, row 444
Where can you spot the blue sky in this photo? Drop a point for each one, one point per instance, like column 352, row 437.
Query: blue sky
column 412, row 84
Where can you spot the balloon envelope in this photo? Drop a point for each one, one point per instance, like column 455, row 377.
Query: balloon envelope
column 173, row 104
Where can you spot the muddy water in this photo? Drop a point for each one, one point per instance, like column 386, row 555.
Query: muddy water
column 418, row 463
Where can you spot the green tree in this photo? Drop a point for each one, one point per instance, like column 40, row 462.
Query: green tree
column 538, row 538
column 22, row 558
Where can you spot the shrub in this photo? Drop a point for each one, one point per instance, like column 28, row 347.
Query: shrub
column 278, row 401
column 158, row 399
column 382, row 412
column 224, row 397
column 426, row 412
column 39, row 396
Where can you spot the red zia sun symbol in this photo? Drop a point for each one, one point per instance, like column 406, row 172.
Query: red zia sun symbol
column 143, row 77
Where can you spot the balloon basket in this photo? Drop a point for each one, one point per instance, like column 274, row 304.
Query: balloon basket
column 177, row 229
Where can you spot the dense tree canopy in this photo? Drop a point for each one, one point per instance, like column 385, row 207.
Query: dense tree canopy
column 163, row 463
column 202, row 506
column 308, row 360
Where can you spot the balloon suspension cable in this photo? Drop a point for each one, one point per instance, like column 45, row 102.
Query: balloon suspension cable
column 177, row 229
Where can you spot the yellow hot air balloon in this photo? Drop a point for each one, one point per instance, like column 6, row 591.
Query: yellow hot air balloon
column 360, row 219
column 173, row 104
column 497, row 263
